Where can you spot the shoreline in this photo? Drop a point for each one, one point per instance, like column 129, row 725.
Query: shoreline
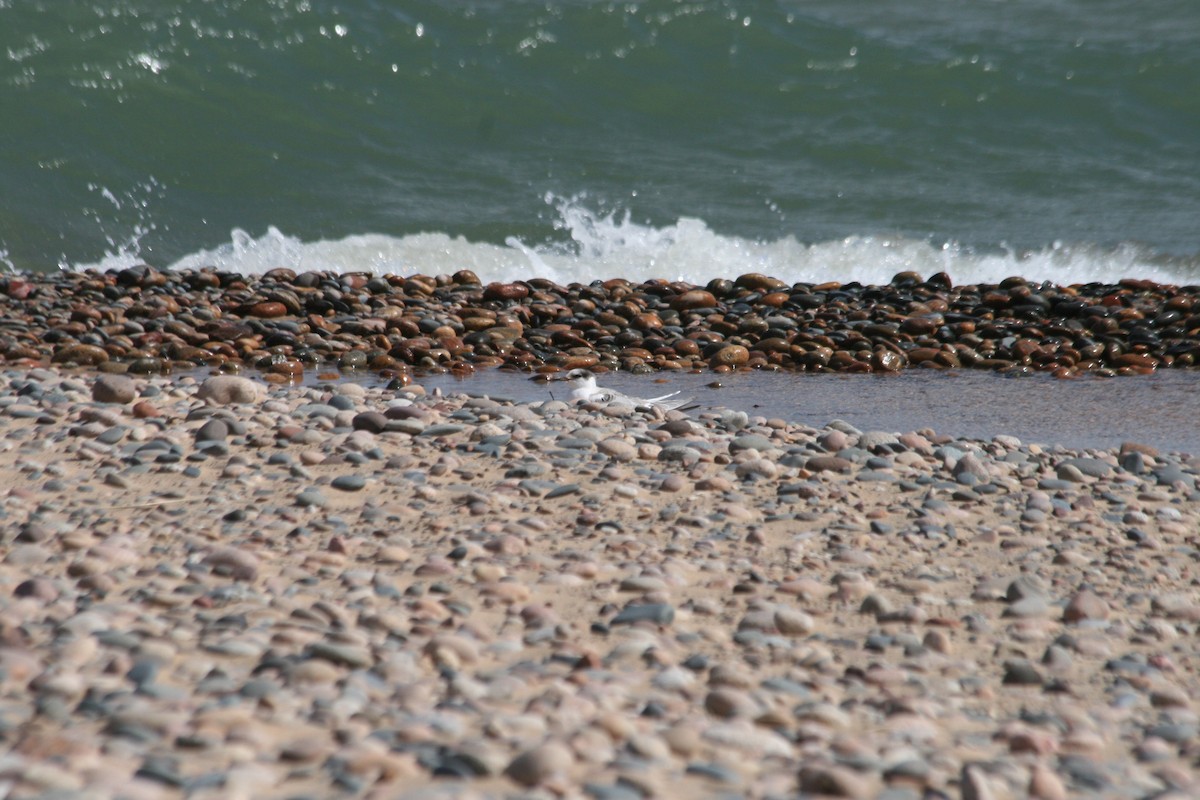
column 144, row 321
column 223, row 589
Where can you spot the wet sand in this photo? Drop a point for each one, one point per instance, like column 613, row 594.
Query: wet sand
column 1160, row 409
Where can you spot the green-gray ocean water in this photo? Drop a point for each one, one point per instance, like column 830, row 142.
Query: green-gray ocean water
column 813, row 140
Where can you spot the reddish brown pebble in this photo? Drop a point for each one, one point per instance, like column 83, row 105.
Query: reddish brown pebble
column 731, row 356
column 1085, row 605
column 87, row 355
column 268, row 310
column 144, row 409
column 506, row 291
column 696, row 298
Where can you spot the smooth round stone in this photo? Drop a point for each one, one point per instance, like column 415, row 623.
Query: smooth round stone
column 679, row 454
column 693, row 299
column 1171, row 474
column 658, row 613
column 642, row 583
column 412, row 426
column 354, row 359
column 1027, row 607
column 969, row 465
column 146, row 366
column 734, row 420
column 112, row 435
column 214, row 430
column 237, row 563
column 837, row 781
column 733, row 355
column 750, row 441
column 793, row 622
column 674, row 483
column 1045, row 785
column 343, row 654
column 1070, row 473
column 223, row 390
column 834, row 441
column 1085, row 605
column 371, row 421
column 1020, row 672
column 829, row 464
column 727, row 702
column 617, row 449
column 756, row 468
column 311, row 498
column 1024, row 587
column 443, row 429
column 876, row 605
column 1092, row 467
column 1173, row 732
column 111, row 388
column 85, row 355
column 938, row 641
column 537, row 488
column 535, row 766
column 874, row 441
column 36, row 588
column 349, row 483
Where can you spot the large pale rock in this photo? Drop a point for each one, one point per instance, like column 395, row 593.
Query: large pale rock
column 223, row 390
column 114, row 389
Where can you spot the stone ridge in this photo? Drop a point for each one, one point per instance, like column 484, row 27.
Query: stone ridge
column 146, row 321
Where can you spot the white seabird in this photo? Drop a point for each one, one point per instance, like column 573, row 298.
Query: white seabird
column 585, row 390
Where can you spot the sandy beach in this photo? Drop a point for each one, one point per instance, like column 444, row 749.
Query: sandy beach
column 217, row 588
column 298, row 500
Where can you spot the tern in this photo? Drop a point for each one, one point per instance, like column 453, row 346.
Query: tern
column 585, row 390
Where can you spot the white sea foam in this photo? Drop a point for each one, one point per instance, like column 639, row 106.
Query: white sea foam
column 595, row 246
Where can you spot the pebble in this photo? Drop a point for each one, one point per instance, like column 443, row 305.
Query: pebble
column 114, row 389
column 540, row 764
column 348, row 483
column 235, row 562
column 214, row 430
column 658, row 613
column 223, row 390
column 1085, row 606
column 793, row 623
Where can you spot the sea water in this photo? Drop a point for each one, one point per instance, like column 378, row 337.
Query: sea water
column 812, row 140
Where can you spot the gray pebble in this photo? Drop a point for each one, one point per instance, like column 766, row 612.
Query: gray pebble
column 348, row 483
column 658, row 613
